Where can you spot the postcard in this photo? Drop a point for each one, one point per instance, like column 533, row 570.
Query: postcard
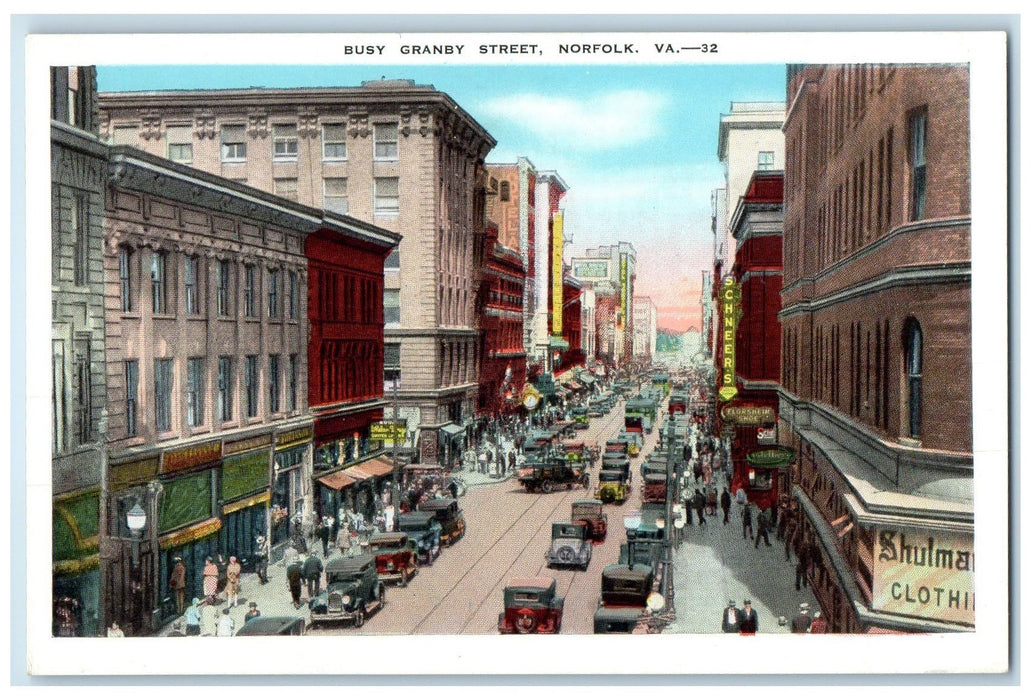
column 379, row 352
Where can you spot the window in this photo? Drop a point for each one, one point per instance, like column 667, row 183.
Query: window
column 249, row 289
column 386, row 141
column 195, row 391
column 80, row 229
column 126, row 136
column 83, row 393
column 75, row 116
column 125, row 277
column 393, row 261
column 180, row 144
column 273, row 293
column 234, row 144
column 273, row 383
column 506, row 191
column 292, row 294
column 225, row 388
column 58, row 396
column 765, row 160
column 251, row 383
column 191, row 264
column 157, row 282
column 334, row 142
column 918, row 163
column 163, row 395
column 285, row 187
column 392, row 307
column 294, row 371
column 386, row 195
column 914, row 340
column 222, row 292
column 391, row 366
column 284, row 142
column 132, row 387
column 334, row 194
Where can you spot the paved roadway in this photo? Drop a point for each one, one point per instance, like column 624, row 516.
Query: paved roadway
column 508, row 535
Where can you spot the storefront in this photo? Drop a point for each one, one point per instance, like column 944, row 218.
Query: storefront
column 452, row 443
column 76, row 565
column 291, row 485
column 334, row 496
column 244, row 494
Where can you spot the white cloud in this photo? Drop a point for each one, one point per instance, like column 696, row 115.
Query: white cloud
column 602, row 121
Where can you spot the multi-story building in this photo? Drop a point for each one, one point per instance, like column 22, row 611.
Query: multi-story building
column 588, row 327
column 750, row 417
column 402, row 156
column 549, row 240
column 611, row 271
column 78, row 174
column 571, row 331
column 876, row 358
column 646, row 329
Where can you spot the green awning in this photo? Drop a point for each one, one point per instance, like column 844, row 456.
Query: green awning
column 452, row 430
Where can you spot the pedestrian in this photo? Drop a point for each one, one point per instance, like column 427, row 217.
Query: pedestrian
column 697, row 471
column 261, row 553
column 749, row 619
column 252, row 613
column 344, row 539
column 710, row 500
column 293, row 582
column 819, row 625
column 225, row 625
column 233, row 582
column 731, row 618
column 313, row 574
column 740, row 496
column 764, row 528
column 290, row 555
column 746, row 522
column 699, row 506
column 114, row 630
column 725, row 505
column 193, row 619
column 801, row 621
column 324, row 530
column 209, row 620
column 789, row 536
column 177, row 582
column 222, row 566
column 210, row 574
column 802, row 567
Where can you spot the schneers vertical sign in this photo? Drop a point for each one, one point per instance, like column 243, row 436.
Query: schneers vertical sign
column 556, row 276
column 623, row 284
column 730, row 299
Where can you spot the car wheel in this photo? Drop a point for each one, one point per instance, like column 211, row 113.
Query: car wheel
column 547, row 487
column 359, row 614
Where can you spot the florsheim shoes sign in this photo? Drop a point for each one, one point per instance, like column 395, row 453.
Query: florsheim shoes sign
column 730, row 298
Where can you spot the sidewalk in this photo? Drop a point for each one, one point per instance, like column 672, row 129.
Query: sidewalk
column 714, row 564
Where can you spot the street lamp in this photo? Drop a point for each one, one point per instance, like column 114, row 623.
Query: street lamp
column 136, row 521
column 631, row 523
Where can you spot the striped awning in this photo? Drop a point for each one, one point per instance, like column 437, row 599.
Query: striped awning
column 336, row 481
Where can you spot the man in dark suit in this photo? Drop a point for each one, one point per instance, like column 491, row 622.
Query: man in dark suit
column 749, row 619
column 800, row 622
column 732, row 618
column 313, row 574
column 725, row 505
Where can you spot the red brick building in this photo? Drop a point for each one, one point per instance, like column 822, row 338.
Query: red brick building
column 572, row 325
column 876, row 359
column 503, row 369
column 757, row 226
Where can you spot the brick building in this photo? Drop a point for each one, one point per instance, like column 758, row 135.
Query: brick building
column 572, row 329
column 402, row 156
column 611, row 271
column 876, row 359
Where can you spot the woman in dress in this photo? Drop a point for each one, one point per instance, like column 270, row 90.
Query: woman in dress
column 210, row 580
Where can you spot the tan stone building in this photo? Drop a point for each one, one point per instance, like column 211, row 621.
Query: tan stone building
column 405, row 157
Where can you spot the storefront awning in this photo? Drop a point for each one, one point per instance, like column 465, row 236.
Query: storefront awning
column 371, row 468
column 452, row 430
column 337, row 481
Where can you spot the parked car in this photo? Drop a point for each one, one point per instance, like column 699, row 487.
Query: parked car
column 353, row 590
column 654, row 488
column 570, row 545
column 589, row 514
column 424, row 529
column 624, row 597
column 396, row 556
column 545, row 476
column 449, row 515
column 531, row 606
column 273, row 626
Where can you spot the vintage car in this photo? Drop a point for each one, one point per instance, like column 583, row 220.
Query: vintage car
column 621, row 446
column 570, row 545
column 597, row 408
column 537, row 443
column 654, row 488
column 423, row 529
column 561, row 429
column 616, row 620
column 576, row 452
column 396, row 556
column 624, row 597
column 646, row 552
column 531, row 606
column 589, row 514
column 353, row 590
column 634, row 442
column 545, row 476
column 652, row 516
column 677, row 403
column 612, row 486
column 449, row 515
column 581, row 421
column 273, row 626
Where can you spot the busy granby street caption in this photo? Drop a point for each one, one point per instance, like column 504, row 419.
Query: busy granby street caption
column 513, row 49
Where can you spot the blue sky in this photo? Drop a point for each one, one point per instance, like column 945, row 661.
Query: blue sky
column 635, row 144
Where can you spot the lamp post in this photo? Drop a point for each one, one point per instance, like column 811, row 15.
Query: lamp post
column 136, row 521
column 631, row 523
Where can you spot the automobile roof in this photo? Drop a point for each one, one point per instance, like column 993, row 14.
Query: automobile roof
column 532, row 582
column 349, row 565
column 388, row 538
column 436, row 504
column 417, row 516
column 640, row 572
column 268, row 625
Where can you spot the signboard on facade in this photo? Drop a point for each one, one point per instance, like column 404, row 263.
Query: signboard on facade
column 192, row 456
column 749, row 415
column 624, row 283
column 389, row 432
column 254, row 443
column 766, row 436
column 924, row 574
column 556, row 275
column 595, row 269
column 730, row 300
column 294, row 437
column 773, row 458
column 129, row 473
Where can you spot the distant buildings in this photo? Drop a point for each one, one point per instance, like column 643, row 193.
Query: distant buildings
column 646, row 322
column 611, row 272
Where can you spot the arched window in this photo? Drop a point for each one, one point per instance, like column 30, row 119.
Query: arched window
column 914, row 344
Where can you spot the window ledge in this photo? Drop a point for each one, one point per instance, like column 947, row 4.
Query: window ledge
column 163, row 317
column 131, row 315
column 199, row 429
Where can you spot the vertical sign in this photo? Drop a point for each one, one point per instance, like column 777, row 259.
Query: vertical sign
column 556, row 276
column 730, row 302
column 623, row 284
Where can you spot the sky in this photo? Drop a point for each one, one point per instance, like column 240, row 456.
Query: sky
column 635, row 143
